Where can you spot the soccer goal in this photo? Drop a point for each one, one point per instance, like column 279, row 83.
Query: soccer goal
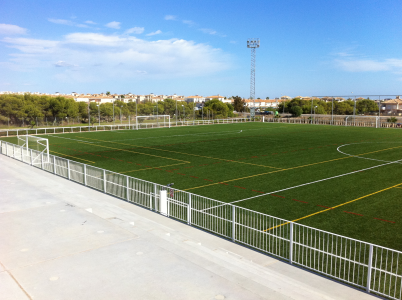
column 152, row 121
column 38, row 144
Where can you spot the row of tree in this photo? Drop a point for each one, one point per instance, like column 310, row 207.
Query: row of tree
column 28, row 109
column 297, row 107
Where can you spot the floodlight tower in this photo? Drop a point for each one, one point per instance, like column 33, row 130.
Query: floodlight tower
column 253, row 44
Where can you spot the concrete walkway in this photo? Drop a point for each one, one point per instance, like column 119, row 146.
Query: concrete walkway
column 61, row 240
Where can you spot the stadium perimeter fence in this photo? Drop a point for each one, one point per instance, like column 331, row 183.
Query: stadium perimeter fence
column 354, row 121
column 367, row 266
column 134, row 126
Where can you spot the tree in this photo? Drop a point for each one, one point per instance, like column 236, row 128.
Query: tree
column 107, row 93
column 238, row 103
column 296, row 111
column 267, row 98
column 366, row 106
column 344, row 108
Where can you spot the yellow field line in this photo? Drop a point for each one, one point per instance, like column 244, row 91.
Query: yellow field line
column 153, row 168
column 197, row 187
column 131, row 151
column 92, row 162
column 339, row 205
column 227, row 160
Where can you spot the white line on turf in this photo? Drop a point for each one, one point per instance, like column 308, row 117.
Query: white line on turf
column 357, row 156
column 304, row 184
column 167, row 136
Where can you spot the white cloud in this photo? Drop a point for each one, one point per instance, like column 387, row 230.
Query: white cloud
column 367, row 65
column 91, row 57
column 208, row 31
column 154, row 33
column 114, row 25
column 61, row 63
column 67, row 22
column 189, row 22
column 61, row 21
column 90, row 22
column 135, row 30
column 9, row 29
column 170, row 18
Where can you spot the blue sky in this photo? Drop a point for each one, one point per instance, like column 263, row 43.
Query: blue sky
column 316, row 47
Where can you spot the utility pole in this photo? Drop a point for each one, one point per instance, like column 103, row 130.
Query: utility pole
column 253, row 44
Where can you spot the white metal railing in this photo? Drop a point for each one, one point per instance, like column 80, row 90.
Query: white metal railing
column 371, row 267
column 352, row 121
column 133, row 126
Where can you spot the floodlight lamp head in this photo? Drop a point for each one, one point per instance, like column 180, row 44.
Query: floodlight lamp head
column 253, row 43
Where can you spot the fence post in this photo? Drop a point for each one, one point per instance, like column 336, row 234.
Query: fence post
column 189, row 210
column 85, row 175
column 68, row 169
column 13, row 150
column 127, row 189
column 233, row 223
column 163, row 203
column 153, row 205
column 291, row 243
column 369, row 267
column 6, row 149
column 104, row 180
column 41, row 158
column 22, row 154
column 54, row 164
column 30, row 151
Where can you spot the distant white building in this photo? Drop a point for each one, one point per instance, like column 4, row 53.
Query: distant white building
column 219, row 97
column 194, row 99
column 97, row 99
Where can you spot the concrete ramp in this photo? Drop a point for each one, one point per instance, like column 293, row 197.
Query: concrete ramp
column 61, row 240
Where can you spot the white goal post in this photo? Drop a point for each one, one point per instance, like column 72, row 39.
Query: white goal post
column 152, row 121
column 39, row 144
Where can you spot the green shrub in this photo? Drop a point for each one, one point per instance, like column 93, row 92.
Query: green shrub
column 392, row 120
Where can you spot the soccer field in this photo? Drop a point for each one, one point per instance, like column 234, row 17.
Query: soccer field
column 346, row 180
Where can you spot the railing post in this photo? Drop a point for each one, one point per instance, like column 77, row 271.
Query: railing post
column 369, row 267
column 13, row 150
column 41, row 158
column 189, row 210
column 68, row 169
column 127, row 189
column 85, row 175
column 104, row 181
column 30, row 151
column 291, row 243
column 54, row 164
column 153, row 205
column 233, row 223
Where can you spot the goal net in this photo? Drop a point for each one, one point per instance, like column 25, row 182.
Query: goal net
column 154, row 121
column 39, row 145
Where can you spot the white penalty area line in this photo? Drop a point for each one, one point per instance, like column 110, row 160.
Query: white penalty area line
column 304, row 184
column 72, row 139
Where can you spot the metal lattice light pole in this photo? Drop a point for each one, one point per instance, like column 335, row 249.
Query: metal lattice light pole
column 253, row 44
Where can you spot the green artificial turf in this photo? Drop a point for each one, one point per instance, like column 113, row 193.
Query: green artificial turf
column 231, row 162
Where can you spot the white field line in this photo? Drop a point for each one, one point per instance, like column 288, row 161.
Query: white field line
column 166, row 136
column 357, row 156
column 72, row 139
column 304, row 184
